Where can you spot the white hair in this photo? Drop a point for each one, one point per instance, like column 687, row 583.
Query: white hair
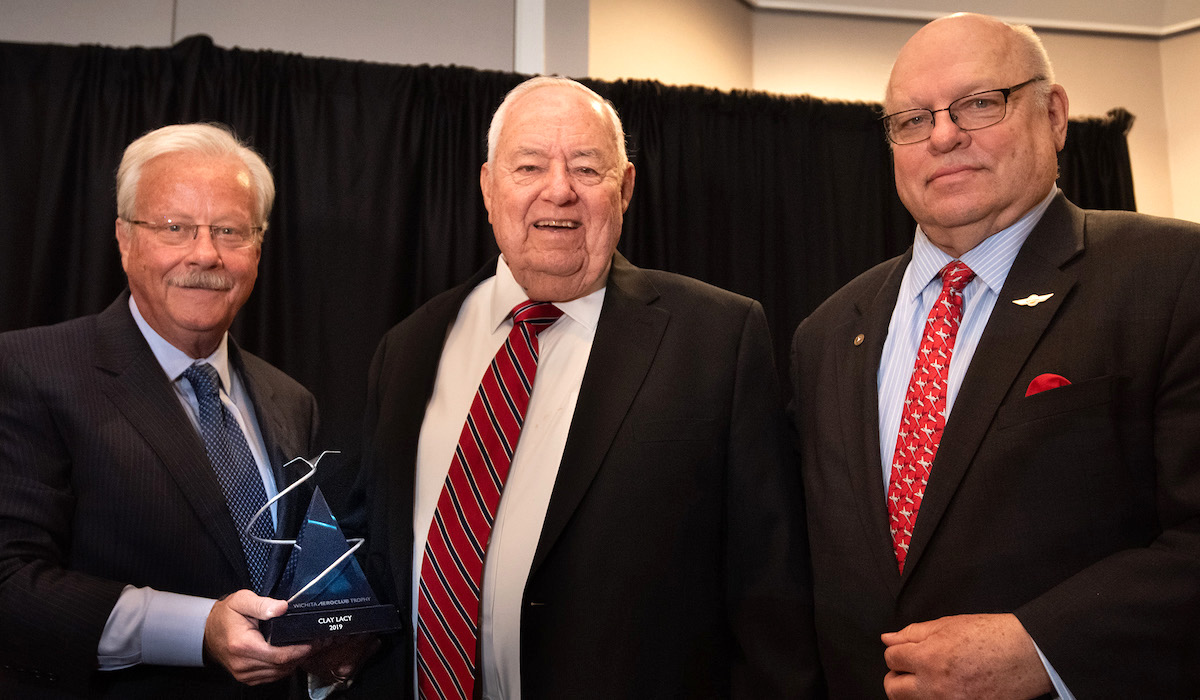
column 493, row 136
column 210, row 139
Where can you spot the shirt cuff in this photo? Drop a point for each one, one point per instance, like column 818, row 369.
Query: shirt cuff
column 318, row 691
column 1060, row 688
column 148, row 626
column 174, row 631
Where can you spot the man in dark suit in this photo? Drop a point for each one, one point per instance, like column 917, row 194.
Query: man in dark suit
column 648, row 541
column 1054, row 489
column 124, row 571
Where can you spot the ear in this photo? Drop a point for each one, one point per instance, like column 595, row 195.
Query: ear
column 627, row 186
column 1056, row 108
column 485, row 186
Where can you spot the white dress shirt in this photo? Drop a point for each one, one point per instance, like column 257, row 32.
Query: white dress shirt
column 479, row 331
column 991, row 261
column 159, row 627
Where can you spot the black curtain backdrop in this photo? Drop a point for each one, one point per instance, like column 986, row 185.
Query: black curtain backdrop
column 783, row 199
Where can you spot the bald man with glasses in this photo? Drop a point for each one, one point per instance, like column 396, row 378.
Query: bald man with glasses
column 1001, row 454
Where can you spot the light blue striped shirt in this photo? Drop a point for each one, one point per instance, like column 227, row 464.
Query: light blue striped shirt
column 991, row 261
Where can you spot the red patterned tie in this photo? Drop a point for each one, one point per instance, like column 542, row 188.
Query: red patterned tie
column 924, row 414
column 452, row 568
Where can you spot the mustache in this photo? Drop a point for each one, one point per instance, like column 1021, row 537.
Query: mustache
column 202, row 279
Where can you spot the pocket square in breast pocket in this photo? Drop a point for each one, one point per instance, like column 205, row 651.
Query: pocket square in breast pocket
column 1044, row 382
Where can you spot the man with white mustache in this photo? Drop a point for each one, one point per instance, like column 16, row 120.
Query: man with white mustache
column 124, row 571
column 648, row 541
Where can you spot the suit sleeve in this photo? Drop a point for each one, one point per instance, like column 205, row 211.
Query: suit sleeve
column 1126, row 626
column 767, row 552
column 51, row 618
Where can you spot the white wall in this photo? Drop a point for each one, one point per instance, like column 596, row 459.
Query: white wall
column 838, row 57
column 476, row 33
column 1181, row 88
column 680, row 42
column 1100, row 73
column 113, row 23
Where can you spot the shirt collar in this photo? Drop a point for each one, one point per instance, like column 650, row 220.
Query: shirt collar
column 507, row 293
column 991, row 260
column 175, row 361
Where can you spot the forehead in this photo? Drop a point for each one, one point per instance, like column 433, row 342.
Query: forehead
column 951, row 58
column 556, row 117
column 173, row 176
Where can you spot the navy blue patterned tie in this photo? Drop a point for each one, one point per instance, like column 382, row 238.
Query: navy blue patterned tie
column 234, row 466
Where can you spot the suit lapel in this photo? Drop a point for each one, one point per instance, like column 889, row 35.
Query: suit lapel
column 141, row 391
column 413, row 384
column 1010, row 336
column 283, row 444
column 626, row 341
column 858, row 401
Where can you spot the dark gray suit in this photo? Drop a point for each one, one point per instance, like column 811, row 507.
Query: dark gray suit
column 105, row 482
column 671, row 561
column 1078, row 508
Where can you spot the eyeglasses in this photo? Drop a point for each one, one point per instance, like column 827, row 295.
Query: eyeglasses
column 175, row 233
column 976, row 111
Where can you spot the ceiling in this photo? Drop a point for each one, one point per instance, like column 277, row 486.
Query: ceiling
column 1153, row 18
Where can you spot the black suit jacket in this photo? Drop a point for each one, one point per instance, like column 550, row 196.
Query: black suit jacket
column 1078, row 508
column 671, row 561
column 104, row 482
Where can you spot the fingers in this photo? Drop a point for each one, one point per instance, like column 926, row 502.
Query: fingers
column 898, row 686
column 340, row 659
column 232, row 639
column 967, row 656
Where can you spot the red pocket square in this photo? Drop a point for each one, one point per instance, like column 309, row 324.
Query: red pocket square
column 1044, row 382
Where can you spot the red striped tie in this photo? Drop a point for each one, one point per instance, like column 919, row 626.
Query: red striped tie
column 924, row 414
column 452, row 568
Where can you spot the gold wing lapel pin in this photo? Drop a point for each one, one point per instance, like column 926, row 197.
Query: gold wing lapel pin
column 1033, row 299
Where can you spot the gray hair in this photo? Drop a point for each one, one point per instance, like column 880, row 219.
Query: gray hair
column 1034, row 58
column 210, row 139
column 493, row 136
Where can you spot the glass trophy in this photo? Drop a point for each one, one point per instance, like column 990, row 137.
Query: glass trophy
column 325, row 588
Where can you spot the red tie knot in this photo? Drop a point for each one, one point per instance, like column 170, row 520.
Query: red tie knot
column 956, row 276
column 536, row 314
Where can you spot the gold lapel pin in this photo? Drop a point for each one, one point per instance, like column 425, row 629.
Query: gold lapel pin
column 1033, row 299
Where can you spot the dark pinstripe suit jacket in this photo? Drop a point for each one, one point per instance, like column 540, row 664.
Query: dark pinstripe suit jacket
column 104, row 482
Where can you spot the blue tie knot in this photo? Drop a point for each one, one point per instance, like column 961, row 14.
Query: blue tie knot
column 204, row 379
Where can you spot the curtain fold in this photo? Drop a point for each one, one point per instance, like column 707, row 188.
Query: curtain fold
column 783, row 199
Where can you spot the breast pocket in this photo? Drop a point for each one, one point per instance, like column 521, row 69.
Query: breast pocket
column 1065, row 399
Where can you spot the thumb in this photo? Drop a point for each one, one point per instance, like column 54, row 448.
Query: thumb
column 912, row 633
column 255, row 606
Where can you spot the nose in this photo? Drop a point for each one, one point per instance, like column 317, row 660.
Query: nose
column 946, row 135
column 204, row 249
column 559, row 188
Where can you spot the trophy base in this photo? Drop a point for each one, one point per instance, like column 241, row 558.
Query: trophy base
column 294, row 627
